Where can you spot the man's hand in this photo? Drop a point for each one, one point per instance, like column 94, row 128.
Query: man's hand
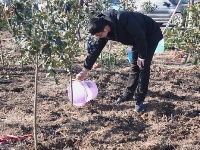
column 140, row 62
column 96, row 65
column 82, row 74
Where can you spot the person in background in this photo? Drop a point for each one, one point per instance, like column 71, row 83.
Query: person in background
column 129, row 28
column 91, row 9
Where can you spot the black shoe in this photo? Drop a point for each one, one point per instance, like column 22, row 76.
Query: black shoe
column 121, row 99
column 139, row 106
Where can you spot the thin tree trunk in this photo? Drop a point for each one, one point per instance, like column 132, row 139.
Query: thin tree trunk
column 190, row 22
column 101, row 74
column 2, row 54
column 22, row 62
column 109, row 55
column 36, row 90
column 35, row 102
column 71, row 80
column 102, row 64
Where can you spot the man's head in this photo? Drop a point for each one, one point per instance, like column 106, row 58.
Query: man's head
column 99, row 27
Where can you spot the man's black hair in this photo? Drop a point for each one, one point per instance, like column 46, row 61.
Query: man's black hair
column 97, row 25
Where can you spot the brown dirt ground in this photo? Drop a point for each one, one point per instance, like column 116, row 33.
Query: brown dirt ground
column 172, row 119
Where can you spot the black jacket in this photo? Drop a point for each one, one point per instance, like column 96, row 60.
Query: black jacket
column 127, row 27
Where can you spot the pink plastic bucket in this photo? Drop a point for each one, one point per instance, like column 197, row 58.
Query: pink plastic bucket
column 83, row 91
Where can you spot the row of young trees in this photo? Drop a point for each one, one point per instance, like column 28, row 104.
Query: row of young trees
column 46, row 36
column 187, row 37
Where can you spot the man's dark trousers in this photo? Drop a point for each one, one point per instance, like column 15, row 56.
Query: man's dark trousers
column 139, row 77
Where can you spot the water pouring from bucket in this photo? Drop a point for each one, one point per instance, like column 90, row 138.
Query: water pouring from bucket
column 83, row 92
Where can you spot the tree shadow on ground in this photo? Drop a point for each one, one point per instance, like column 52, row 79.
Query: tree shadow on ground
column 167, row 94
column 168, row 109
